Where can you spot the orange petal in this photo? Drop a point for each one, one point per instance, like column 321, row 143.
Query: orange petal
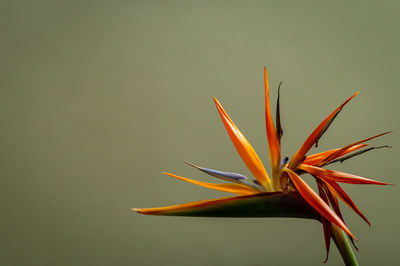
column 232, row 188
column 245, row 150
column 335, row 204
column 332, row 198
column 316, row 202
column 273, row 141
column 338, row 153
column 318, row 157
column 336, row 176
column 315, row 135
column 339, row 192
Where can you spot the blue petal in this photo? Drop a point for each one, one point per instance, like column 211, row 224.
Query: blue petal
column 284, row 161
column 231, row 177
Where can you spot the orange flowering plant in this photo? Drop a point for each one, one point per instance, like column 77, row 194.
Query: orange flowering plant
column 284, row 193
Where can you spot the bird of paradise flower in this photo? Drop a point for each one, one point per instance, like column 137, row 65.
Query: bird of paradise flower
column 286, row 194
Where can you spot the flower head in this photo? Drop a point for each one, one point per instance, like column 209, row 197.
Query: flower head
column 283, row 193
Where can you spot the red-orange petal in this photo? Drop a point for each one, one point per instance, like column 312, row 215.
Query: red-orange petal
column 336, row 176
column 232, row 188
column 316, row 158
column 332, row 198
column 273, row 141
column 316, row 202
column 315, row 135
column 245, row 150
column 339, row 152
column 335, row 204
column 339, row 192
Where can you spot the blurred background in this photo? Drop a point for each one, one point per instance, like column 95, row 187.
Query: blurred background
column 97, row 98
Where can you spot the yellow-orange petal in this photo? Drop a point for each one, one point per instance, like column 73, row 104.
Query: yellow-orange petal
column 232, row 188
column 316, row 202
column 273, row 141
column 245, row 150
column 316, row 158
column 337, row 176
column 315, row 135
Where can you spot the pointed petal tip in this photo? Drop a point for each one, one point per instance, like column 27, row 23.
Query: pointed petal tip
column 191, row 164
column 354, row 95
column 137, row 210
column 326, row 259
column 219, row 106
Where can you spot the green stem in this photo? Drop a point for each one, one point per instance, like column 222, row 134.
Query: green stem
column 342, row 243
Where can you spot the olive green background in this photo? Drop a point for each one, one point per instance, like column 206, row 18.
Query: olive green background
column 99, row 97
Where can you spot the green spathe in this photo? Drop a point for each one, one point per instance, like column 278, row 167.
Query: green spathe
column 269, row 204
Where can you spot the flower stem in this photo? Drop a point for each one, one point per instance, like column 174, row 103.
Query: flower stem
column 342, row 243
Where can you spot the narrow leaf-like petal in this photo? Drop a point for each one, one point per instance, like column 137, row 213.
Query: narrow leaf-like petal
column 327, row 236
column 332, row 198
column 245, row 150
column 316, row 158
column 316, row 202
column 273, row 141
column 271, row 204
column 339, row 192
column 335, row 205
column 338, row 153
column 232, row 188
column 336, row 176
column 341, row 158
column 315, row 136
column 279, row 131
